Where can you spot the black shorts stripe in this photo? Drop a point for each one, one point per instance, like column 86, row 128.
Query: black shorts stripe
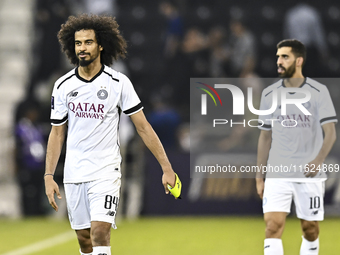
column 134, row 109
column 65, row 80
column 328, row 118
column 54, row 121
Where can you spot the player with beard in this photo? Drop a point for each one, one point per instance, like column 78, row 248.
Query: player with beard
column 87, row 102
column 299, row 146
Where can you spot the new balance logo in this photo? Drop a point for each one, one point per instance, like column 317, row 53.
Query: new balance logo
column 313, row 249
column 74, row 94
column 267, row 246
column 315, row 212
column 111, row 213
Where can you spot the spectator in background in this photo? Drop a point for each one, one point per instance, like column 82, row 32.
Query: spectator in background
column 194, row 46
column 165, row 121
column 219, row 52
column 303, row 22
column 207, row 55
column 194, row 41
column 30, row 157
column 243, row 50
column 174, row 30
column 50, row 14
column 98, row 7
column 172, row 41
column 172, row 54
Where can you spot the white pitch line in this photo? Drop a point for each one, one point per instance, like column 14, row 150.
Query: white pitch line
column 42, row 245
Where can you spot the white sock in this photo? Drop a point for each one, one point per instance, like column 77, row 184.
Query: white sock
column 101, row 250
column 309, row 248
column 81, row 253
column 273, row 246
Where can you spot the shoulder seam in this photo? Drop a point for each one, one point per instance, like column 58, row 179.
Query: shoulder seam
column 65, row 80
column 272, row 89
column 268, row 93
column 111, row 76
column 312, row 87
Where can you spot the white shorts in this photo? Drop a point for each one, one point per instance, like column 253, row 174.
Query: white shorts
column 92, row 201
column 307, row 196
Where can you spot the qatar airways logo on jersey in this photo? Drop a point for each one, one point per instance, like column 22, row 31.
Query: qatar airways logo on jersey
column 294, row 120
column 87, row 110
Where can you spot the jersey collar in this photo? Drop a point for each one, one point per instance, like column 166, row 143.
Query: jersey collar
column 94, row 77
column 302, row 84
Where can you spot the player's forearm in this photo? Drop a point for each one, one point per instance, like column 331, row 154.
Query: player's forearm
column 262, row 158
column 153, row 143
column 54, row 146
column 328, row 141
column 263, row 148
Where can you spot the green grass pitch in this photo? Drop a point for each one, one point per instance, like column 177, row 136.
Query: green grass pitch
column 171, row 235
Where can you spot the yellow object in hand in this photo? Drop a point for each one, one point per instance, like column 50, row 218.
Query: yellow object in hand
column 176, row 190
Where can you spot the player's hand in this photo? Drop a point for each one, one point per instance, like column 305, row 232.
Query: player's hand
column 313, row 168
column 51, row 188
column 168, row 177
column 260, row 187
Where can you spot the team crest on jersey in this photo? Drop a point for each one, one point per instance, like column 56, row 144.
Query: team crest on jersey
column 102, row 94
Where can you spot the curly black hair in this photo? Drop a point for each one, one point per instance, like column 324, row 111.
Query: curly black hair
column 107, row 35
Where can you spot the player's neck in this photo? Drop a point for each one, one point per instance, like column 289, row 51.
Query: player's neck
column 294, row 82
column 88, row 72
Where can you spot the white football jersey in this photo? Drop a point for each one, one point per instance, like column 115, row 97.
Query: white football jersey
column 92, row 109
column 296, row 138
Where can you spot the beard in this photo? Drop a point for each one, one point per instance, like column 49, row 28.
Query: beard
column 289, row 72
column 83, row 62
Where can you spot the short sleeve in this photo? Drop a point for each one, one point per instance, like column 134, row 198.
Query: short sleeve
column 59, row 112
column 326, row 108
column 264, row 120
column 129, row 101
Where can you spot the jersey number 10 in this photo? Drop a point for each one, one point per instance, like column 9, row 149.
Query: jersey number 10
column 314, row 202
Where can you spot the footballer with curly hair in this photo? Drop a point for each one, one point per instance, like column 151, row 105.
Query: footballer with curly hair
column 88, row 100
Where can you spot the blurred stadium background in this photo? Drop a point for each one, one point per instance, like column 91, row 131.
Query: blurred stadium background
column 168, row 42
